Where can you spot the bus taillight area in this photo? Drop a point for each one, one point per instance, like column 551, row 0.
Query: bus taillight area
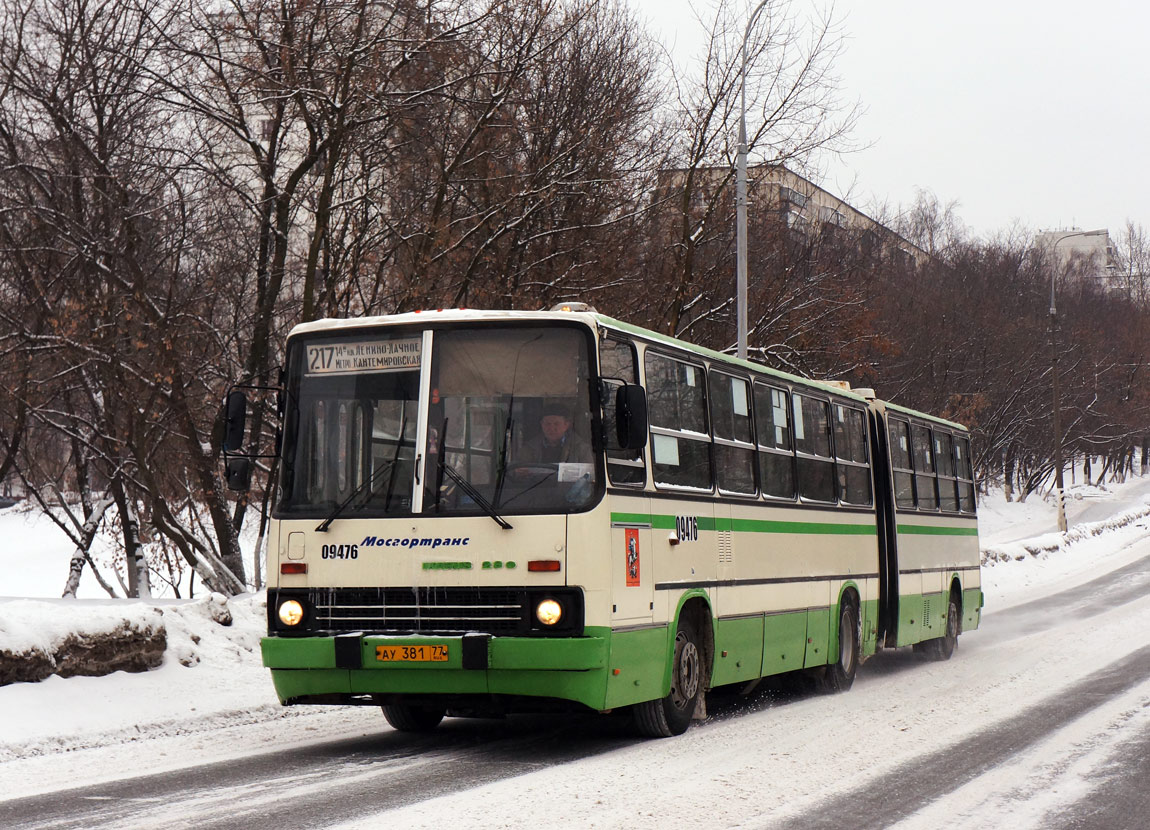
column 513, row 611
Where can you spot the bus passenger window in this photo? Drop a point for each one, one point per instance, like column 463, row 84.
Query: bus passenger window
column 851, row 454
column 899, row 434
column 731, row 422
column 944, row 458
column 965, row 473
column 924, row 483
column 813, row 447
column 676, row 409
column 776, row 455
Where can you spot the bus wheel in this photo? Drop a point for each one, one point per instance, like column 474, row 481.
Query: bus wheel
column 943, row 647
column 407, row 718
column 672, row 714
column 840, row 674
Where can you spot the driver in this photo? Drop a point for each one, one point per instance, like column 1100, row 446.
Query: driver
column 557, row 441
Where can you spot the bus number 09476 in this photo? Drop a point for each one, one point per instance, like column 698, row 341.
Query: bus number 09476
column 687, row 528
column 339, row 552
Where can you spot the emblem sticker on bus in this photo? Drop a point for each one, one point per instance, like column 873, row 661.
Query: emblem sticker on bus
column 364, row 356
column 687, row 528
column 632, row 536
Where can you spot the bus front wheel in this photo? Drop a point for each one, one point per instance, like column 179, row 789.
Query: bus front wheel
column 407, row 718
column 672, row 714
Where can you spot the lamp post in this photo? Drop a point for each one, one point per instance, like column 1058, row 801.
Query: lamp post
column 1060, row 493
column 741, row 193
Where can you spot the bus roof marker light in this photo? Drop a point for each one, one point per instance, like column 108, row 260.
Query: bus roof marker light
column 573, row 306
column 544, row 565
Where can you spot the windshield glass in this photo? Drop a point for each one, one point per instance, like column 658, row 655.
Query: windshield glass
column 351, row 424
column 509, row 413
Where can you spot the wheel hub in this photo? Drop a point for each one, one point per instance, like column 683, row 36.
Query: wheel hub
column 685, row 682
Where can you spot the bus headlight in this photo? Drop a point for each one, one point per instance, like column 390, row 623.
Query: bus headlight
column 291, row 612
column 549, row 612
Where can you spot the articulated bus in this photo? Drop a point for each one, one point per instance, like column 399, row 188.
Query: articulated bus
column 485, row 512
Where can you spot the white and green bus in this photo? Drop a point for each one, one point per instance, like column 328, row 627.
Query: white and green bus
column 703, row 520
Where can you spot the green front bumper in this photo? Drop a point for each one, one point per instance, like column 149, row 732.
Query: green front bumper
column 573, row 669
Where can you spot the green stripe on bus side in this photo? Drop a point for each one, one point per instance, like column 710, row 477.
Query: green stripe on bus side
column 660, row 522
column 769, row 526
column 928, row 530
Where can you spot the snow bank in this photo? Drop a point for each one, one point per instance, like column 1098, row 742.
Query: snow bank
column 209, row 673
column 41, row 638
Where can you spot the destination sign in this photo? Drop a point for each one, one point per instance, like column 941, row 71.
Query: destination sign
column 364, row 356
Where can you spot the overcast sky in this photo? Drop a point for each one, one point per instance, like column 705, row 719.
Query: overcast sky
column 1016, row 109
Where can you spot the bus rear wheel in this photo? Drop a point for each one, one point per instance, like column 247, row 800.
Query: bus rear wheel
column 942, row 648
column 405, row 717
column 672, row 714
column 840, row 675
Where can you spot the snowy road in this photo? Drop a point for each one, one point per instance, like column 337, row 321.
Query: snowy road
column 1042, row 719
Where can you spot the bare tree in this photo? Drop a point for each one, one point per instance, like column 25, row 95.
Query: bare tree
column 794, row 108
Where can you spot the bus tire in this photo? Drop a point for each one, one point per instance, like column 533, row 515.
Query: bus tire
column 671, row 715
column 404, row 717
column 840, row 675
column 942, row 648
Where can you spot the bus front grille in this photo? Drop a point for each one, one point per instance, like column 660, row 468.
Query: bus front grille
column 420, row 610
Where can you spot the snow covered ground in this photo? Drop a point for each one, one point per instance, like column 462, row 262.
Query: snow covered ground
column 212, row 700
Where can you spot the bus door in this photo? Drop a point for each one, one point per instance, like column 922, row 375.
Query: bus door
column 887, row 535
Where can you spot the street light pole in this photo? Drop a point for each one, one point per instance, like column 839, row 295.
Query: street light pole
column 741, row 193
column 1060, row 493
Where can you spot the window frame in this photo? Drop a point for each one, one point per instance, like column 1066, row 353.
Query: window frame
column 951, row 478
column 679, row 434
column 734, row 443
column 967, row 466
column 895, row 469
column 841, row 462
column 762, row 448
column 611, row 383
column 930, row 476
column 801, row 456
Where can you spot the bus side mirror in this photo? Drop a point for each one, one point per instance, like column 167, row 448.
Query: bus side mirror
column 239, row 472
column 235, row 418
column 631, row 416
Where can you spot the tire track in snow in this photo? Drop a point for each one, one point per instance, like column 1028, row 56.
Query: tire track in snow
column 898, row 794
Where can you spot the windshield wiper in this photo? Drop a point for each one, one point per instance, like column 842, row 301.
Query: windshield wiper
column 369, row 483
column 366, row 484
column 507, row 430
column 477, row 497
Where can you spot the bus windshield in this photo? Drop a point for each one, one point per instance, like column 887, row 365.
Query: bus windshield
column 508, row 427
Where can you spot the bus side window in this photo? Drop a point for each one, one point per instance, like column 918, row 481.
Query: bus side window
column 617, row 363
column 851, row 455
column 776, row 454
column 813, row 448
column 731, row 422
column 965, row 473
column 923, row 457
column 899, row 433
column 944, row 458
column 676, row 409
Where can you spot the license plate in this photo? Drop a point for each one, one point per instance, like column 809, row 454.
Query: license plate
column 411, row 654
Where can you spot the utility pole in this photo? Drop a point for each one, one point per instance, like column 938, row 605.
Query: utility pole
column 1060, row 493
column 741, row 194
